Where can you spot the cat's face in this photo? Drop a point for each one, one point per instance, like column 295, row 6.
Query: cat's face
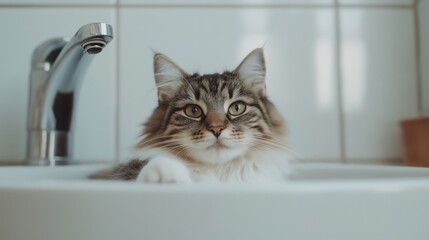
column 212, row 118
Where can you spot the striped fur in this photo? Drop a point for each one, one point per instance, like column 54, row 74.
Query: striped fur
column 218, row 143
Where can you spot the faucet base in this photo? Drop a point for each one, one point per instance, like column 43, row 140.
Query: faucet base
column 49, row 148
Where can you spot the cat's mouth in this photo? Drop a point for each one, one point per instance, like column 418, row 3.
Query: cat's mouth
column 217, row 146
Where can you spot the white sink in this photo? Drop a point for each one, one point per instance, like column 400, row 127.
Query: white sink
column 321, row 201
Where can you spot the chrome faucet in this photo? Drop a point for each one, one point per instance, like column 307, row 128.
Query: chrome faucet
column 57, row 68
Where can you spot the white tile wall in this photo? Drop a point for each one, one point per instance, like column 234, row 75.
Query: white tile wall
column 375, row 75
column 379, row 80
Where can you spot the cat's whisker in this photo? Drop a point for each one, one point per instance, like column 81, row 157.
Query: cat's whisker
column 177, row 150
column 282, row 146
column 166, row 147
column 147, row 140
column 172, row 143
column 267, row 147
column 270, row 144
column 271, row 140
column 161, row 139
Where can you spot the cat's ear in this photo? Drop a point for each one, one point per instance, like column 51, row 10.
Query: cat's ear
column 168, row 76
column 252, row 71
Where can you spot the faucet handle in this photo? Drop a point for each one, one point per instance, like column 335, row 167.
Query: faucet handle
column 46, row 53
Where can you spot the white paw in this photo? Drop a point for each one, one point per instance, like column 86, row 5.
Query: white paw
column 164, row 170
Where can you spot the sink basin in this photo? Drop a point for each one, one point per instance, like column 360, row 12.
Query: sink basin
column 321, row 201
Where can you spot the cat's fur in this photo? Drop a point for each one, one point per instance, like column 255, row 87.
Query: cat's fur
column 194, row 135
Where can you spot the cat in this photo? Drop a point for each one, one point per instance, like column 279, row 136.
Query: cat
column 211, row 128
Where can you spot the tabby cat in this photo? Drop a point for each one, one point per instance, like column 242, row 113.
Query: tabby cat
column 214, row 127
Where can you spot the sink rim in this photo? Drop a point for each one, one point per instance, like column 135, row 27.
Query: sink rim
column 76, row 180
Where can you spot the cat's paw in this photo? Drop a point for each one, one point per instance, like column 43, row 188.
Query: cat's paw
column 164, row 170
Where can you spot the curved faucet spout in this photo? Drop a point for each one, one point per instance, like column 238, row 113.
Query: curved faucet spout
column 58, row 66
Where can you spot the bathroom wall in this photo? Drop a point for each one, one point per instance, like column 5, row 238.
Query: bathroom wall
column 343, row 73
column 423, row 14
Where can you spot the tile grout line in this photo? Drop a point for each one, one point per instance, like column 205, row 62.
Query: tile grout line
column 342, row 138
column 226, row 5
column 418, row 58
column 327, row 5
column 5, row 6
column 391, row 6
column 118, row 5
column 117, row 85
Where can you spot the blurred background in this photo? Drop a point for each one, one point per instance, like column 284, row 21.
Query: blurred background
column 343, row 73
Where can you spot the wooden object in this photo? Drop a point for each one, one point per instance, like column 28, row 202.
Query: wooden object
column 415, row 136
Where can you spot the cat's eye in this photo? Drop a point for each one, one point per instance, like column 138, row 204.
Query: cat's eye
column 237, row 108
column 193, row 111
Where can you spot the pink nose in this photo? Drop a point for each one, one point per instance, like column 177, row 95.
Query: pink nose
column 216, row 130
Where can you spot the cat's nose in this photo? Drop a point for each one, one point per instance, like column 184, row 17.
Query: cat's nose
column 216, row 130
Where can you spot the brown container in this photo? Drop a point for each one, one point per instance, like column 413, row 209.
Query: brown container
column 415, row 137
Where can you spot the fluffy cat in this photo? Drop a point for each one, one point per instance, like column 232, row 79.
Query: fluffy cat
column 214, row 127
